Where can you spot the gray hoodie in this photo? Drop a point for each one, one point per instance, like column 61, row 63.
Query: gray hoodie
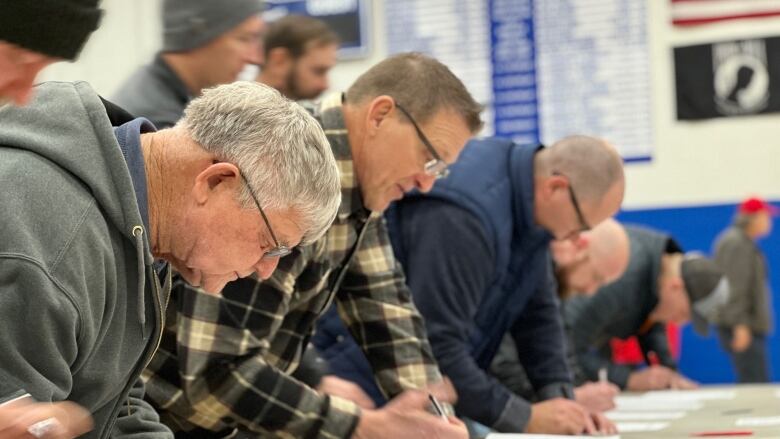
column 80, row 305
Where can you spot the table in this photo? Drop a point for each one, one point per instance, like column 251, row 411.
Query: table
column 722, row 414
column 749, row 401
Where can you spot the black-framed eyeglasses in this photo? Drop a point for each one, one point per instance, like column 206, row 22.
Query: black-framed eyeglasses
column 279, row 250
column 584, row 226
column 435, row 167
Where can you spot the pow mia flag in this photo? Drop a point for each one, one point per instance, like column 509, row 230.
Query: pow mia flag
column 733, row 78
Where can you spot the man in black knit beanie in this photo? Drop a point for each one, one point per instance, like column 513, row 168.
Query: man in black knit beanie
column 34, row 34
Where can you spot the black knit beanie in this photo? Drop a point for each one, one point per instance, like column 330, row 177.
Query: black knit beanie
column 57, row 28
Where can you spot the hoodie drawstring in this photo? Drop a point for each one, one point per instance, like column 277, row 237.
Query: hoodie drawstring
column 138, row 233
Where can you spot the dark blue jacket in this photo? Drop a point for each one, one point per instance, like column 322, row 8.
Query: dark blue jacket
column 478, row 267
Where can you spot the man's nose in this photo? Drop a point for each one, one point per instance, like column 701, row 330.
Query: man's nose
column 266, row 267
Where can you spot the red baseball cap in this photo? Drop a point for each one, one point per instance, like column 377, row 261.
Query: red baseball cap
column 755, row 205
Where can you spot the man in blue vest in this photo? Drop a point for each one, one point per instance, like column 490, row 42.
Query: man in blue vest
column 476, row 254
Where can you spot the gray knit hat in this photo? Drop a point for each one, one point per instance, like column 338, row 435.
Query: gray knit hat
column 189, row 24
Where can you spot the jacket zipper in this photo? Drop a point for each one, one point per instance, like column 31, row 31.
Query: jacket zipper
column 150, row 354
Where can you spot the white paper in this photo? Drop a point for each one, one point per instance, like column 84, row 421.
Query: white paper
column 758, row 421
column 640, row 403
column 690, row 395
column 635, row 427
column 540, row 436
column 617, row 415
column 777, row 393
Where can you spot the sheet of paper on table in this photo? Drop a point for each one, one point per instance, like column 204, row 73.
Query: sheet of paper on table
column 690, row 395
column 540, row 436
column 617, row 415
column 633, row 403
column 755, row 421
column 636, row 427
column 777, row 393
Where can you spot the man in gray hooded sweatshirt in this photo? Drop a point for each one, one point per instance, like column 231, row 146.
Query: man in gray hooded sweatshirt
column 94, row 205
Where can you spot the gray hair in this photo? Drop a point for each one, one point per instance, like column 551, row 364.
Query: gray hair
column 279, row 147
column 423, row 85
column 592, row 165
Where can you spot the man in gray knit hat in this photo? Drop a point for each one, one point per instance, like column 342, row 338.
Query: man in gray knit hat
column 205, row 43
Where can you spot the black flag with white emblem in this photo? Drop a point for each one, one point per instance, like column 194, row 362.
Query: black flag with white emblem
column 733, row 78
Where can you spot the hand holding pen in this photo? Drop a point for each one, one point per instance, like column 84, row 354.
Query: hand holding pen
column 24, row 417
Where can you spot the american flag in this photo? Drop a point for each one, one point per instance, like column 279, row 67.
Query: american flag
column 696, row 12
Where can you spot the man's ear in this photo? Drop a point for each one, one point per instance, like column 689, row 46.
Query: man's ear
column 378, row 111
column 551, row 184
column 215, row 177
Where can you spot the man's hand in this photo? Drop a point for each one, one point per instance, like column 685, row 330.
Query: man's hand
column 650, row 378
column 741, row 337
column 333, row 385
column 658, row 378
column 407, row 416
column 25, row 419
column 597, row 396
column 679, row 382
column 560, row 416
column 603, row 425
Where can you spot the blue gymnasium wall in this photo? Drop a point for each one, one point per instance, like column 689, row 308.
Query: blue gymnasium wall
column 695, row 228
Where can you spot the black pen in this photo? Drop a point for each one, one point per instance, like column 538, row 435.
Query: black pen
column 437, row 406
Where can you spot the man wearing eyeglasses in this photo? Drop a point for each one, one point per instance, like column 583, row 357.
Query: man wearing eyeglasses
column 476, row 254
column 225, row 363
column 104, row 208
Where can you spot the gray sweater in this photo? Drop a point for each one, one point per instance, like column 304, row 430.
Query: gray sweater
column 740, row 258
column 80, row 305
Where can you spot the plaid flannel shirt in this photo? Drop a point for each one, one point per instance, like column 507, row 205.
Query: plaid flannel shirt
column 225, row 362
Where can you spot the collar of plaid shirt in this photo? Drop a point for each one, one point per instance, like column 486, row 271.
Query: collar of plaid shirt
column 331, row 117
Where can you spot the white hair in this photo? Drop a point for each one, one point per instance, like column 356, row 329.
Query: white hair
column 278, row 146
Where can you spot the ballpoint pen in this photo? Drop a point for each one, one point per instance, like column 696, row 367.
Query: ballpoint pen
column 437, row 406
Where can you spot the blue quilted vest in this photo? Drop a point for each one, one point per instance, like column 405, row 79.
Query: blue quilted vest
column 493, row 179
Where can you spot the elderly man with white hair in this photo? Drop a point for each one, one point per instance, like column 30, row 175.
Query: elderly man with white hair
column 103, row 209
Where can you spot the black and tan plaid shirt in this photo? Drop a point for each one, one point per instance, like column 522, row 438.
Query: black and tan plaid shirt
column 225, row 362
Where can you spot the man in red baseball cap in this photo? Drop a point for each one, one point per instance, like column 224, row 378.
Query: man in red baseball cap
column 746, row 319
